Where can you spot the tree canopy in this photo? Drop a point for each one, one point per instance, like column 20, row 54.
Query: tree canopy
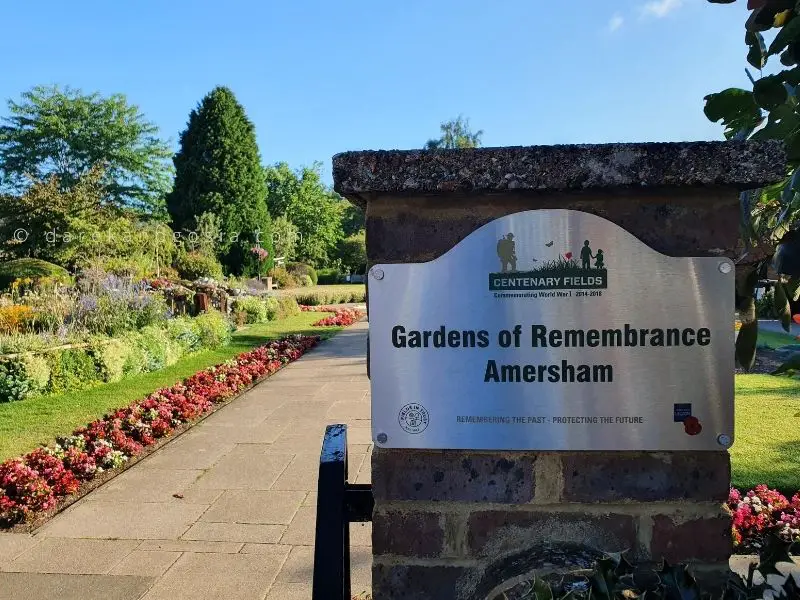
column 456, row 134
column 64, row 133
column 770, row 110
column 314, row 209
column 218, row 170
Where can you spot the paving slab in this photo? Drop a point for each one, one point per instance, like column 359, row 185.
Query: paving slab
column 235, row 532
column 38, row 586
column 191, row 546
column 146, row 484
column 217, row 577
column 74, row 556
column 124, row 520
column 248, row 467
column 14, row 544
column 265, row 507
column 153, row 563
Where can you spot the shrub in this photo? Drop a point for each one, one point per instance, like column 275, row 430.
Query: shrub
column 301, row 270
column 184, row 331
column 283, row 278
column 272, row 305
column 148, row 309
column 110, row 356
column 14, row 318
column 254, row 309
column 14, row 383
column 765, row 307
column 136, row 358
column 37, row 371
column 328, row 276
column 287, row 307
column 71, row 369
column 159, row 350
column 214, row 329
column 30, row 268
column 194, row 265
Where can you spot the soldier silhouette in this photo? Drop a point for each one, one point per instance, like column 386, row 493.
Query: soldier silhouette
column 586, row 255
column 598, row 260
column 507, row 253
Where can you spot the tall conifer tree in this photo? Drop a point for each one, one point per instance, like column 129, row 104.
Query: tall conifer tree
column 218, row 170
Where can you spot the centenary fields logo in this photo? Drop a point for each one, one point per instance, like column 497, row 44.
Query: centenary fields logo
column 563, row 272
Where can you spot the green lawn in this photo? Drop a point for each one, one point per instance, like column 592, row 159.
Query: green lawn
column 767, row 445
column 24, row 425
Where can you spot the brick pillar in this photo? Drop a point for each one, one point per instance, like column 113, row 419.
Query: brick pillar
column 452, row 524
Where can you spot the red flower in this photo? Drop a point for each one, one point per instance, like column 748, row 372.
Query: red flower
column 344, row 317
column 568, row 255
column 692, row 425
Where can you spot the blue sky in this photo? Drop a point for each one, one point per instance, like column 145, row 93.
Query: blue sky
column 320, row 77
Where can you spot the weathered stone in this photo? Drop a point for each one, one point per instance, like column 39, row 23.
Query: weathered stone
column 496, row 532
column 407, row 533
column 452, row 475
column 646, row 477
column 559, row 168
column 678, row 540
column 417, row 582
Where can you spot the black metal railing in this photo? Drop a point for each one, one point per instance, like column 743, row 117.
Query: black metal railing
column 338, row 504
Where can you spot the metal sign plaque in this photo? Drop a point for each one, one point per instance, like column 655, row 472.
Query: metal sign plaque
column 553, row 330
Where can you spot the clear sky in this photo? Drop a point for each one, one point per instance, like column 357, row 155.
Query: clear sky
column 319, row 77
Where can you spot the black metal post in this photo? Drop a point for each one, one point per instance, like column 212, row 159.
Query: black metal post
column 338, row 504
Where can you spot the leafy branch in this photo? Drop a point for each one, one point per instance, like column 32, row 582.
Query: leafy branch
column 768, row 111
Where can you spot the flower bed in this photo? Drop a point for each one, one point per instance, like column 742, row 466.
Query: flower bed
column 34, row 483
column 759, row 512
column 342, row 318
column 330, row 309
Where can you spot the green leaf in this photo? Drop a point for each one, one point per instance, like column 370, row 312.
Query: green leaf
column 788, row 57
column 542, row 589
column 730, row 103
column 789, row 33
column 793, row 288
column 736, row 108
column 769, row 92
column 757, row 56
column 775, row 551
column 786, row 259
column 679, row 582
column 746, row 343
column 780, row 304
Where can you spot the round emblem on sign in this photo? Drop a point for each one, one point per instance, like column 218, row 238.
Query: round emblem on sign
column 413, row 418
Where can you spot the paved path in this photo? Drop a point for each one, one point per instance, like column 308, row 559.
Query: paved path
column 244, row 527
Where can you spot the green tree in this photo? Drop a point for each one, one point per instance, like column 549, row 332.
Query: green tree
column 38, row 223
column 770, row 110
column 352, row 219
column 352, row 252
column 218, row 170
column 64, row 133
column 311, row 206
column 456, row 134
column 284, row 238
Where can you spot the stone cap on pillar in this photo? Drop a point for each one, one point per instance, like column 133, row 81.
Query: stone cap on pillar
column 562, row 168
column 681, row 199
